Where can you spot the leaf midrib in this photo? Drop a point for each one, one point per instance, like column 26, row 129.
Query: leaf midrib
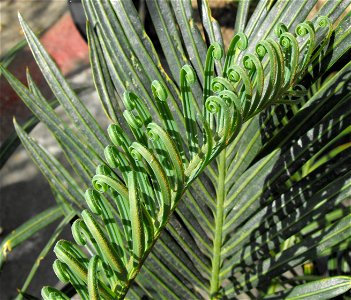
column 218, row 233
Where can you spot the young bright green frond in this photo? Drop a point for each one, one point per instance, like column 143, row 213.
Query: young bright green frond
column 157, row 170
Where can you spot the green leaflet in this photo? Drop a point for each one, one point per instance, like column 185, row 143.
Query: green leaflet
column 93, row 289
column 64, row 94
column 43, row 253
column 82, row 158
column 333, row 234
column 61, row 181
column 26, row 230
column 102, row 79
column 49, row 293
column 212, row 29
column 10, row 145
column 191, row 36
column 171, row 41
column 327, row 288
column 237, row 249
column 9, row 56
column 242, row 15
column 138, row 238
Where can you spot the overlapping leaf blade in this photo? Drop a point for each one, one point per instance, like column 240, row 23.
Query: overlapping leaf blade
column 28, row 229
column 323, row 289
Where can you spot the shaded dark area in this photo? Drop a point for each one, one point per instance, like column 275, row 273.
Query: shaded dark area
column 77, row 12
column 283, row 204
column 19, row 261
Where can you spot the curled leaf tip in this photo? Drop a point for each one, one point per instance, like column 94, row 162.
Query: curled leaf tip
column 159, row 90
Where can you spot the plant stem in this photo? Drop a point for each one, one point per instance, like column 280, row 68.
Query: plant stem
column 217, row 243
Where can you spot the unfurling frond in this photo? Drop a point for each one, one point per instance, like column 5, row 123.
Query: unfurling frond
column 145, row 178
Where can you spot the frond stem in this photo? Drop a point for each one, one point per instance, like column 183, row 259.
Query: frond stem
column 217, row 244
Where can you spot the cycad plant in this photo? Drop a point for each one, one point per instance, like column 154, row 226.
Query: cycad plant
column 224, row 173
